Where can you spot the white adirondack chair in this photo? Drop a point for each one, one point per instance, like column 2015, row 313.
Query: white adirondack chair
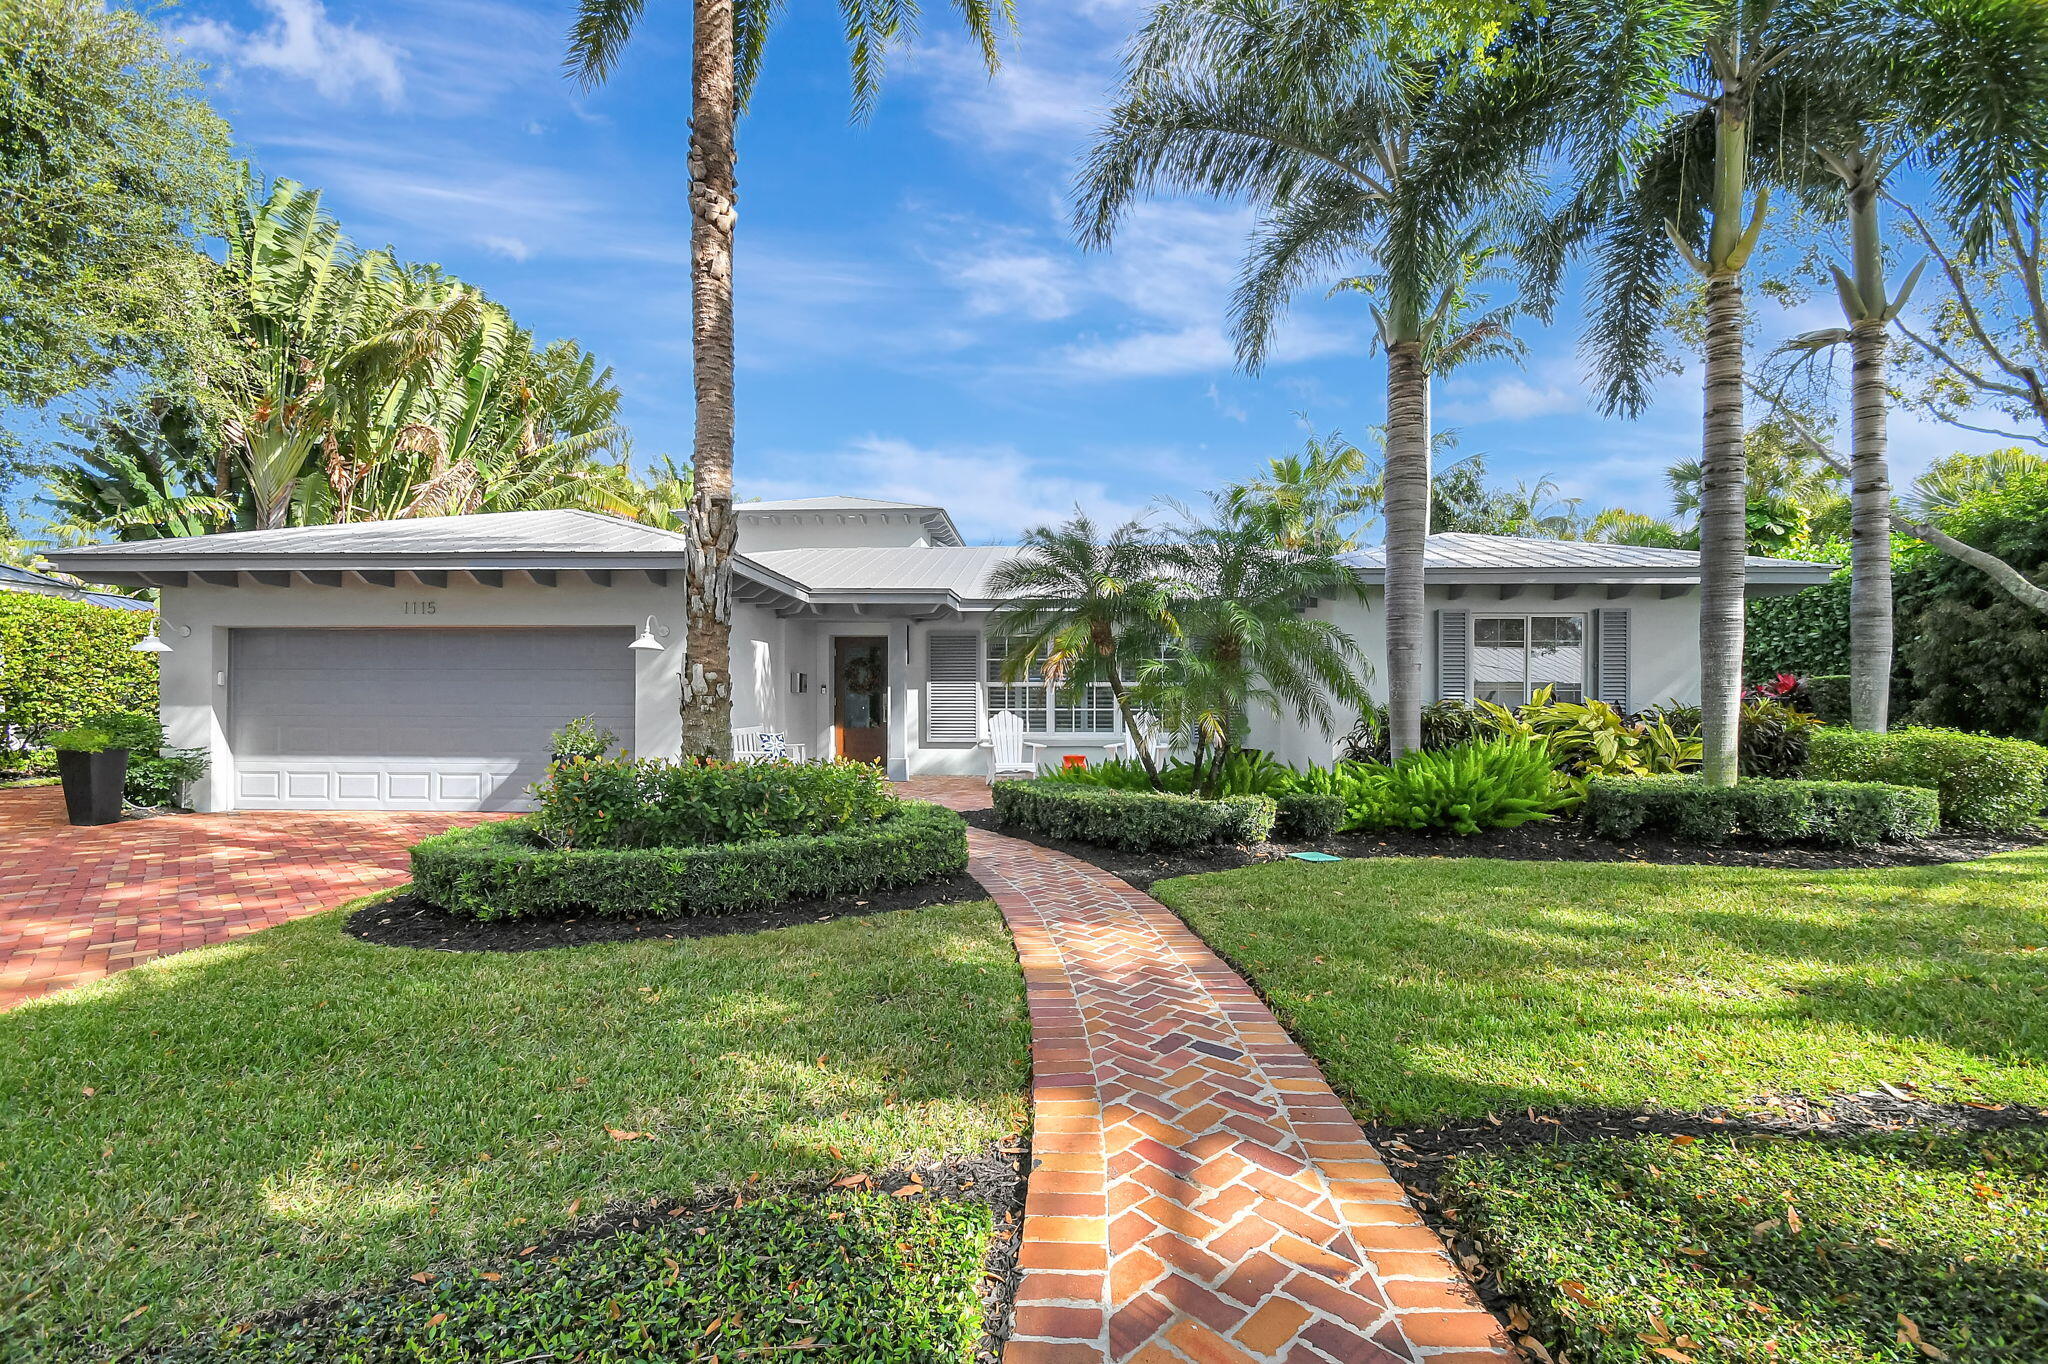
column 1005, row 745
column 757, row 743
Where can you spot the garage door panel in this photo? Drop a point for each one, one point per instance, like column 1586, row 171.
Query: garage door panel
column 414, row 719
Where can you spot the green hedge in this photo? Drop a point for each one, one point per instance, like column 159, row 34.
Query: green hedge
column 1306, row 816
column 1985, row 783
column 1140, row 821
column 62, row 661
column 1759, row 810
column 502, row 871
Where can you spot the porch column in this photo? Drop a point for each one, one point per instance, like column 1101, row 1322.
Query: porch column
column 899, row 700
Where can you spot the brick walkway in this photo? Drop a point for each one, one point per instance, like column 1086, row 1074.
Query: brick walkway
column 1198, row 1193
column 79, row 904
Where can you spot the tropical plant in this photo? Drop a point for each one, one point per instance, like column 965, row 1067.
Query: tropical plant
column 727, row 41
column 1302, row 109
column 1083, row 608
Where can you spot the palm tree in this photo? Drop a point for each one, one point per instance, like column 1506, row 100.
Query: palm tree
column 1237, row 637
column 1959, row 89
column 727, row 39
column 1350, row 157
column 1311, row 500
column 1081, row 608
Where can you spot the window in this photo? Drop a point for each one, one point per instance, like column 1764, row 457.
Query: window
column 1512, row 656
column 1065, row 710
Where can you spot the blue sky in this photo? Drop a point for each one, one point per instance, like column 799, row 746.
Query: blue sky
column 914, row 319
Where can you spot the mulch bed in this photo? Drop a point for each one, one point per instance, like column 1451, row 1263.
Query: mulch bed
column 994, row 1176
column 1562, row 840
column 406, row 921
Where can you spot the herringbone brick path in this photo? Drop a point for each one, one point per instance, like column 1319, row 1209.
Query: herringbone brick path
column 79, row 904
column 1197, row 1193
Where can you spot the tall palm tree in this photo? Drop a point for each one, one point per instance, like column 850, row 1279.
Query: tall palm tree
column 1082, row 608
column 1351, row 157
column 727, row 40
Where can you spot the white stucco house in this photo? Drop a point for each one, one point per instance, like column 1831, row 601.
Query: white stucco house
column 422, row 664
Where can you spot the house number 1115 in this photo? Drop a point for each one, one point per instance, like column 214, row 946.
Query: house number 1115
column 420, row 608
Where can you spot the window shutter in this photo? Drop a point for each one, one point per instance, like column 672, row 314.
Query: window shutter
column 952, row 688
column 1611, row 658
column 1454, row 655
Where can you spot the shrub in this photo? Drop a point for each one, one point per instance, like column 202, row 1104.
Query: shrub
column 1497, row 784
column 62, row 661
column 647, row 803
column 504, row 870
column 1984, row 783
column 1140, row 821
column 1306, row 816
column 1827, row 696
column 157, row 774
column 1765, row 811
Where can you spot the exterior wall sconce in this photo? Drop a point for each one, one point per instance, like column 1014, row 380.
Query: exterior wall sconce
column 647, row 643
column 153, row 642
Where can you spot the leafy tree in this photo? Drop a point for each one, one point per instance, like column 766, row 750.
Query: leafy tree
column 108, row 153
column 1355, row 153
column 1081, row 607
column 727, row 41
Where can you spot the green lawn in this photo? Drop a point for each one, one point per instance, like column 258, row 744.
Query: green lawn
column 231, row 1129
column 1438, row 988
column 1435, row 989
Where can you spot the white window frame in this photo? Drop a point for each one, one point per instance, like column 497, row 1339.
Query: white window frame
column 1048, row 704
column 1528, row 619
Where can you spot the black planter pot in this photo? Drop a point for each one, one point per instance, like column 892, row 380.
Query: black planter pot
column 93, row 783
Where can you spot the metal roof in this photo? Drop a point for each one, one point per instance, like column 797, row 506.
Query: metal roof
column 959, row 571
column 488, row 539
column 1462, row 556
column 936, row 519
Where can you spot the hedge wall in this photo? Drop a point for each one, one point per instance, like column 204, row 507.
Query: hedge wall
column 62, row 660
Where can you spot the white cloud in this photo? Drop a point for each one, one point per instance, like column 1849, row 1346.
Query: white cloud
column 993, row 491
column 301, row 42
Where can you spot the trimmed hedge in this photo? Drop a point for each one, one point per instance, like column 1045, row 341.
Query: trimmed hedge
column 503, row 871
column 1985, row 783
column 1761, row 810
column 62, row 661
column 1307, row 816
column 1138, row 821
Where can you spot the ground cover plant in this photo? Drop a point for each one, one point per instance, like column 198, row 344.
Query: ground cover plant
column 857, row 1276
column 1432, row 988
column 297, row 1112
column 1899, row 1246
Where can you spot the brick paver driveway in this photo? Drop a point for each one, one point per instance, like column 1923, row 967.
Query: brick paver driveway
column 78, row 904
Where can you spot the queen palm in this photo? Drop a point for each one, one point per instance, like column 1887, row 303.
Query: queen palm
column 1352, row 158
column 1081, row 608
column 727, row 39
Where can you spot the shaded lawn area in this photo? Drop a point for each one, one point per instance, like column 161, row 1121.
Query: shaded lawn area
column 1433, row 989
column 1753, row 1248
column 1442, row 989
column 231, row 1129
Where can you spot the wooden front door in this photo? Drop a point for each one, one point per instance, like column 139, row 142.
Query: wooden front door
column 860, row 702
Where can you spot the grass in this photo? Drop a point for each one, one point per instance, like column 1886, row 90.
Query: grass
column 297, row 1112
column 1796, row 1252
column 856, row 1278
column 1434, row 988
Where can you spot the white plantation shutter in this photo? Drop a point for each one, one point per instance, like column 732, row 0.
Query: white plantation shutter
column 952, row 688
column 1611, row 657
column 1454, row 655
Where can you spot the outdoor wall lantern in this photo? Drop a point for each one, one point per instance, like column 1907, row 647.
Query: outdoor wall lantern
column 647, row 641
column 153, row 642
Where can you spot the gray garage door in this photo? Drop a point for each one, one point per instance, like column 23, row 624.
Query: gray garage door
column 413, row 719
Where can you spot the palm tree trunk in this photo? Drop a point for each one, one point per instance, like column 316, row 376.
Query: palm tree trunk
column 1870, row 492
column 707, row 671
column 1724, row 534
column 1407, row 510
